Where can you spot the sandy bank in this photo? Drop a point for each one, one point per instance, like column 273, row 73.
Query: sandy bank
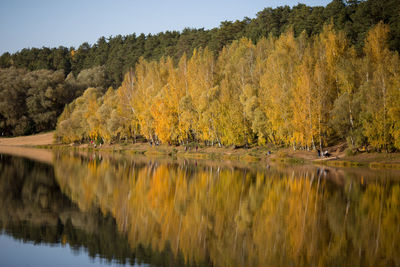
column 30, row 140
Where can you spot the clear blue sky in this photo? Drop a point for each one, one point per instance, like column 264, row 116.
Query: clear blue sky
column 51, row 23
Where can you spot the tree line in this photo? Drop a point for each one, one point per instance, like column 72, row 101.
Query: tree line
column 120, row 53
column 304, row 92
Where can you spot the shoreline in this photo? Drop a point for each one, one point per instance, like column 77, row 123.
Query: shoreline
column 337, row 158
column 260, row 155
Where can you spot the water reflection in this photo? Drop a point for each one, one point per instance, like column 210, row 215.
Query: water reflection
column 178, row 212
column 210, row 214
column 34, row 210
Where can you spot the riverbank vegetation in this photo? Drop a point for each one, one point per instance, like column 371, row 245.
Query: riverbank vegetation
column 301, row 92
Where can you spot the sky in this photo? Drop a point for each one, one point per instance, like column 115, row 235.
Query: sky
column 51, row 23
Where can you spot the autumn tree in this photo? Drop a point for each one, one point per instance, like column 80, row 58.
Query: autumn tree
column 124, row 122
column 304, row 115
column 79, row 122
column 277, row 85
column 380, row 86
column 236, row 65
column 202, row 99
column 150, row 77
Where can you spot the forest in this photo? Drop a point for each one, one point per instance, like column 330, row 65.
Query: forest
column 301, row 76
column 302, row 92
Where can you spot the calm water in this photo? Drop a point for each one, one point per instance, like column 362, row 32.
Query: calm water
column 91, row 210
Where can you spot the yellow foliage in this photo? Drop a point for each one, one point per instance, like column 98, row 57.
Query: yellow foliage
column 291, row 91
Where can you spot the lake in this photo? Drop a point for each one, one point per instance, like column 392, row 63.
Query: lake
column 89, row 209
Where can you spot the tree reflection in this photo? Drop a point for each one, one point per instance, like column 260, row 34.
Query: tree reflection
column 231, row 216
column 33, row 209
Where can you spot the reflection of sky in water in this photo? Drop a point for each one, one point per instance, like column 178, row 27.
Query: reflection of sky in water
column 16, row 253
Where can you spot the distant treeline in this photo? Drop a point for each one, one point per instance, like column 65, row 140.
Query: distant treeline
column 304, row 92
column 120, row 53
column 29, row 106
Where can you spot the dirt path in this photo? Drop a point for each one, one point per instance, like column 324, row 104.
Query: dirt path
column 31, row 140
column 19, row 146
